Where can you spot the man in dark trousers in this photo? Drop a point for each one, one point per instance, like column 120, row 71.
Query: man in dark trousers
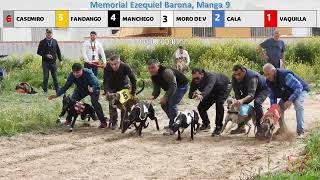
column 173, row 82
column 248, row 86
column 116, row 78
column 291, row 89
column 49, row 51
column 214, row 88
column 86, row 84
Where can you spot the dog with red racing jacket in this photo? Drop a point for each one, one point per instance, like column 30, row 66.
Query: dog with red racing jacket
column 270, row 120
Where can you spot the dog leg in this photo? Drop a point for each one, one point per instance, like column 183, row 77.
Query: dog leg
column 140, row 128
column 179, row 135
column 247, row 133
column 232, row 126
column 157, row 124
column 225, row 124
column 192, row 128
column 73, row 123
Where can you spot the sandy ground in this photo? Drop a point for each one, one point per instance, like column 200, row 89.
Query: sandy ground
column 90, row 153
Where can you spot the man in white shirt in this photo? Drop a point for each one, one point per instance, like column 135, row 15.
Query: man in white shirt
column 181, row 59
column 92, row 51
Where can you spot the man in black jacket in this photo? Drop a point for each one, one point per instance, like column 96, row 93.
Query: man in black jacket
column 214, row 88
column 249, row 85
column 173, row 82
column 49, row 51
column 116, row 78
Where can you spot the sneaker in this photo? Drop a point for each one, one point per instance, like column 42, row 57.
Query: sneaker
column 217, row 131
column 239, row 130
column 102, row 126
column 300, row 135
column 205, row 127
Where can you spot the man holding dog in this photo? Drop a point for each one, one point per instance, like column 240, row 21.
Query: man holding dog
column 92, row 51
column 249, row 85
column 173, row 82
column 86, row 84
column 291, row 89
column 116, row 78
column 214, row 88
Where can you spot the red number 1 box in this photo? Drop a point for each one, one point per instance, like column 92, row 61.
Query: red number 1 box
column 270, row 18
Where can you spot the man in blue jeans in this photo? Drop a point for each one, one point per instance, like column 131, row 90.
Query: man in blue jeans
column 86, row 84
column 49, row 51
column 291, row 89
column 173, row 82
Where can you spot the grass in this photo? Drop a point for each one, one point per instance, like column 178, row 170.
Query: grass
column 306, row 167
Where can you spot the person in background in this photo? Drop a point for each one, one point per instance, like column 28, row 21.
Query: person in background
column 86, row 84
column 116, row 77
column 248, row 86
column 92, row 51
column 272, row 50
column 291, row 89
column 174, row 83
column 214, row 88
column 181, row 59
column 49, row 50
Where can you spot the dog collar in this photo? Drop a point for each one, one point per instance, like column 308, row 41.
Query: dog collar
column 232, row 112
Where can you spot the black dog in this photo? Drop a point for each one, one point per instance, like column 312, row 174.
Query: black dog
column 140, row 112
column 125, row 107
column 74, row 109
column 183, row 120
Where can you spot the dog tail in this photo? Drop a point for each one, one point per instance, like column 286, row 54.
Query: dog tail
column 142, row 88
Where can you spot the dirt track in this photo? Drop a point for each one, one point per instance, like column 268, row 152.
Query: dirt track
column 90, row 153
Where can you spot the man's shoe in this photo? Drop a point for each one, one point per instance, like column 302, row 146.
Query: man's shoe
column 300, row 135
column 205, row 127
column 239, row 130
column 166, row 127
column 103, row 126
column 217, row 131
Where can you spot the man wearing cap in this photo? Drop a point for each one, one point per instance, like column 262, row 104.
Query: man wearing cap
column 49, row 50
column 92, row 51
column 86, row 84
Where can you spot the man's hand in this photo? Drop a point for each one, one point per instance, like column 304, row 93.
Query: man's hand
column 199, row 97
column 265, row 57
column 151, row 98
column 287, row 105
column 90, row 89
column 49, row 56
column 194, row 95
column 163, row 100
column 52, row 97
column 239, row 102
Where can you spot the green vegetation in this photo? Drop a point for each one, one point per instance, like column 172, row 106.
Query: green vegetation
column 306, row 167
